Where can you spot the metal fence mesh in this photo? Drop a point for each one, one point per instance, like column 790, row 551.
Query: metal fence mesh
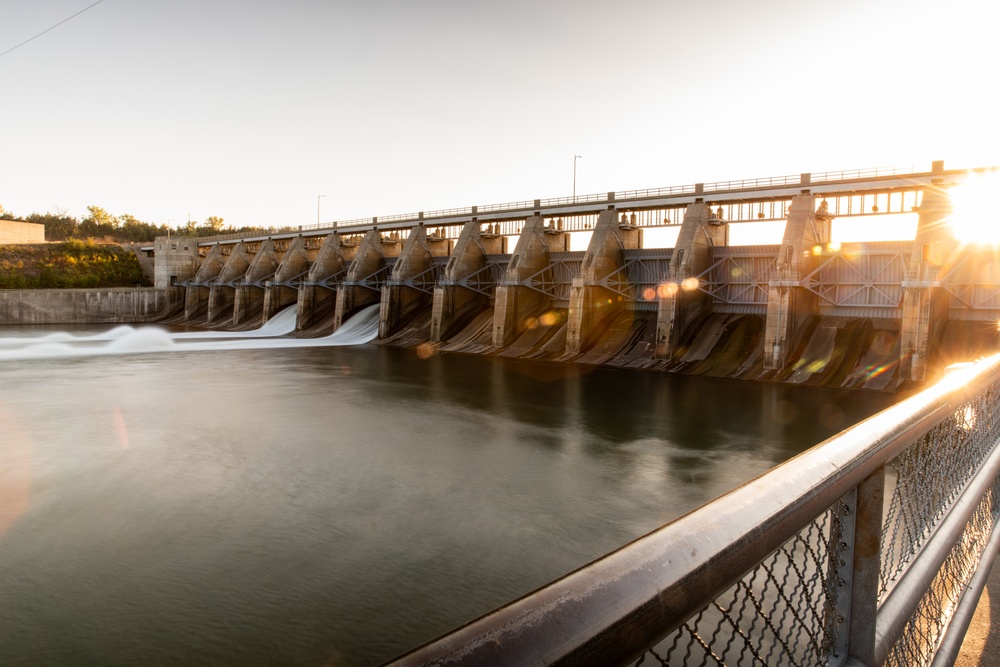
column 783, row 612
column 925, row 628
column 927, row 478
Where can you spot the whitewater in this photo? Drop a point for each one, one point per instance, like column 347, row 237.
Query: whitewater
column 358, row 330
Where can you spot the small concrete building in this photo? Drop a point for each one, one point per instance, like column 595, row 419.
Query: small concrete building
column 12, row 232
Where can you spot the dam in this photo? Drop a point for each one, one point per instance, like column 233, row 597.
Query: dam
column 506, row 280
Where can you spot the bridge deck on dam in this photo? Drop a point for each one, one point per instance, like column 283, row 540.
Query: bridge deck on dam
column 510, row 279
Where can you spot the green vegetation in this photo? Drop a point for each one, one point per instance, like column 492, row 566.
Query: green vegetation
column 125, row 228
column 73, row 263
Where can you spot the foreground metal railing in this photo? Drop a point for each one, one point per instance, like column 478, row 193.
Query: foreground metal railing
column 872, row 548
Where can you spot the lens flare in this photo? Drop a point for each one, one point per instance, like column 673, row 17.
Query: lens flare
column 975, row 216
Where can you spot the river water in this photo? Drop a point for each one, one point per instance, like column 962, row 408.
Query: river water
column 170, row 500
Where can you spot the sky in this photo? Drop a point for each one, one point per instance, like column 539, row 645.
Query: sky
column 171, row 110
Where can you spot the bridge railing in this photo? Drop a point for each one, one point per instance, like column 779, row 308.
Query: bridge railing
column 869, row 549
column 621, row 196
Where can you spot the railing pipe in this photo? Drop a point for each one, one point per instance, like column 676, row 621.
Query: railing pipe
column 866, row 573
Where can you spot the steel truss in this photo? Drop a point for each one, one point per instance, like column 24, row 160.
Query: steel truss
column 865, row 280
column 738, row 279
column 484, row 281
column 554, row 281
column 974, row 281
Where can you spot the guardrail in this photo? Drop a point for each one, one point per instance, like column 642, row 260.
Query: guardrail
column 620, row 197
column 872, row 548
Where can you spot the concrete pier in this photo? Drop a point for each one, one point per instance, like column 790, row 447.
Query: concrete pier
column 250, row 291
column 222, row 293
column 680, row 302
column 362, row 285
column 516, row 298
column 410, row 286
column 789, row 305
column 592, row 303
column 196, row 296
column 317, row 296
column 455, row 296
column 295, row 262
column 925, row 304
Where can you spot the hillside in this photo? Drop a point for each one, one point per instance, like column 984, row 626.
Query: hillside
column 70, row 264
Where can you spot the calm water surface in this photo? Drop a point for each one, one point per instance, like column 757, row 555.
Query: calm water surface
column 338, row 506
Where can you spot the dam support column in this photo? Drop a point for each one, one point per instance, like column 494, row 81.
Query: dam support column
column 197, row 293
column 362, row 285
column 410, row 286
column 591, row 302
column 249, row 298
column 317, row 294
column 453, row 301
column 221, row 294
column 280, row 290
column 515, row 300
column 174, row 261
column 925, row 302
column 680, row 301
column 789, row 305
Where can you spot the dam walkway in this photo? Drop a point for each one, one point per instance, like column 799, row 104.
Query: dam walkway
column 872, row 548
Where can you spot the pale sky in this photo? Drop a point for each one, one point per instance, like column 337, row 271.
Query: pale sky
column 250, row 109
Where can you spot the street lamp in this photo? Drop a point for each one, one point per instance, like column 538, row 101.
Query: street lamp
column 317, row 208
column 575, row 158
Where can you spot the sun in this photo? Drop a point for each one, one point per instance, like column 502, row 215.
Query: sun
column 975, row 216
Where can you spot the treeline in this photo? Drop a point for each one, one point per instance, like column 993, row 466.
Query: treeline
column 126, row 228
column 73, row 263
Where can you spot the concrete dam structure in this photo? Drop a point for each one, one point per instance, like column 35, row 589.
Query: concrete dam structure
column 867, row 315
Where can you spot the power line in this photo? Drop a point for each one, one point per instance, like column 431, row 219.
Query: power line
column 50, row 28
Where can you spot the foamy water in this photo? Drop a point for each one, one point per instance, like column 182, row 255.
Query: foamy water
column 360, row 329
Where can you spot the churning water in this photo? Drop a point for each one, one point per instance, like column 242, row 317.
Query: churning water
column 260, row 500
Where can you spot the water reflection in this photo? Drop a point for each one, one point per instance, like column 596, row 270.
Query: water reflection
column 340, row 505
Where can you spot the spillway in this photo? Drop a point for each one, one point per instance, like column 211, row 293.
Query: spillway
column 360, row 329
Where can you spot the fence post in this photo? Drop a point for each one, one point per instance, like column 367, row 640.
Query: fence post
column 867, row 567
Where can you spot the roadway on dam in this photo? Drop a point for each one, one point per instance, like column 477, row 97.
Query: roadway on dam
column 171, row 499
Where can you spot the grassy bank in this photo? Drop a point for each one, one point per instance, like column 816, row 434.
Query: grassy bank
column 70, row 264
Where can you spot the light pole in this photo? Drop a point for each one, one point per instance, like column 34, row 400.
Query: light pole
column 317, row 208
column 575, row 158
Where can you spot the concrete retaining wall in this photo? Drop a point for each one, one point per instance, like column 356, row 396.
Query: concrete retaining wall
column 83, row 306
column 21, row 232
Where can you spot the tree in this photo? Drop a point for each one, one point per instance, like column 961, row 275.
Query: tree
column 214, row 224
column 58, row 226
column 99, row 223
column 7, row 215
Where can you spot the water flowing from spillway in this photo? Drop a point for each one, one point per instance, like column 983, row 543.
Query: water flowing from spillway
column 360, row 329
